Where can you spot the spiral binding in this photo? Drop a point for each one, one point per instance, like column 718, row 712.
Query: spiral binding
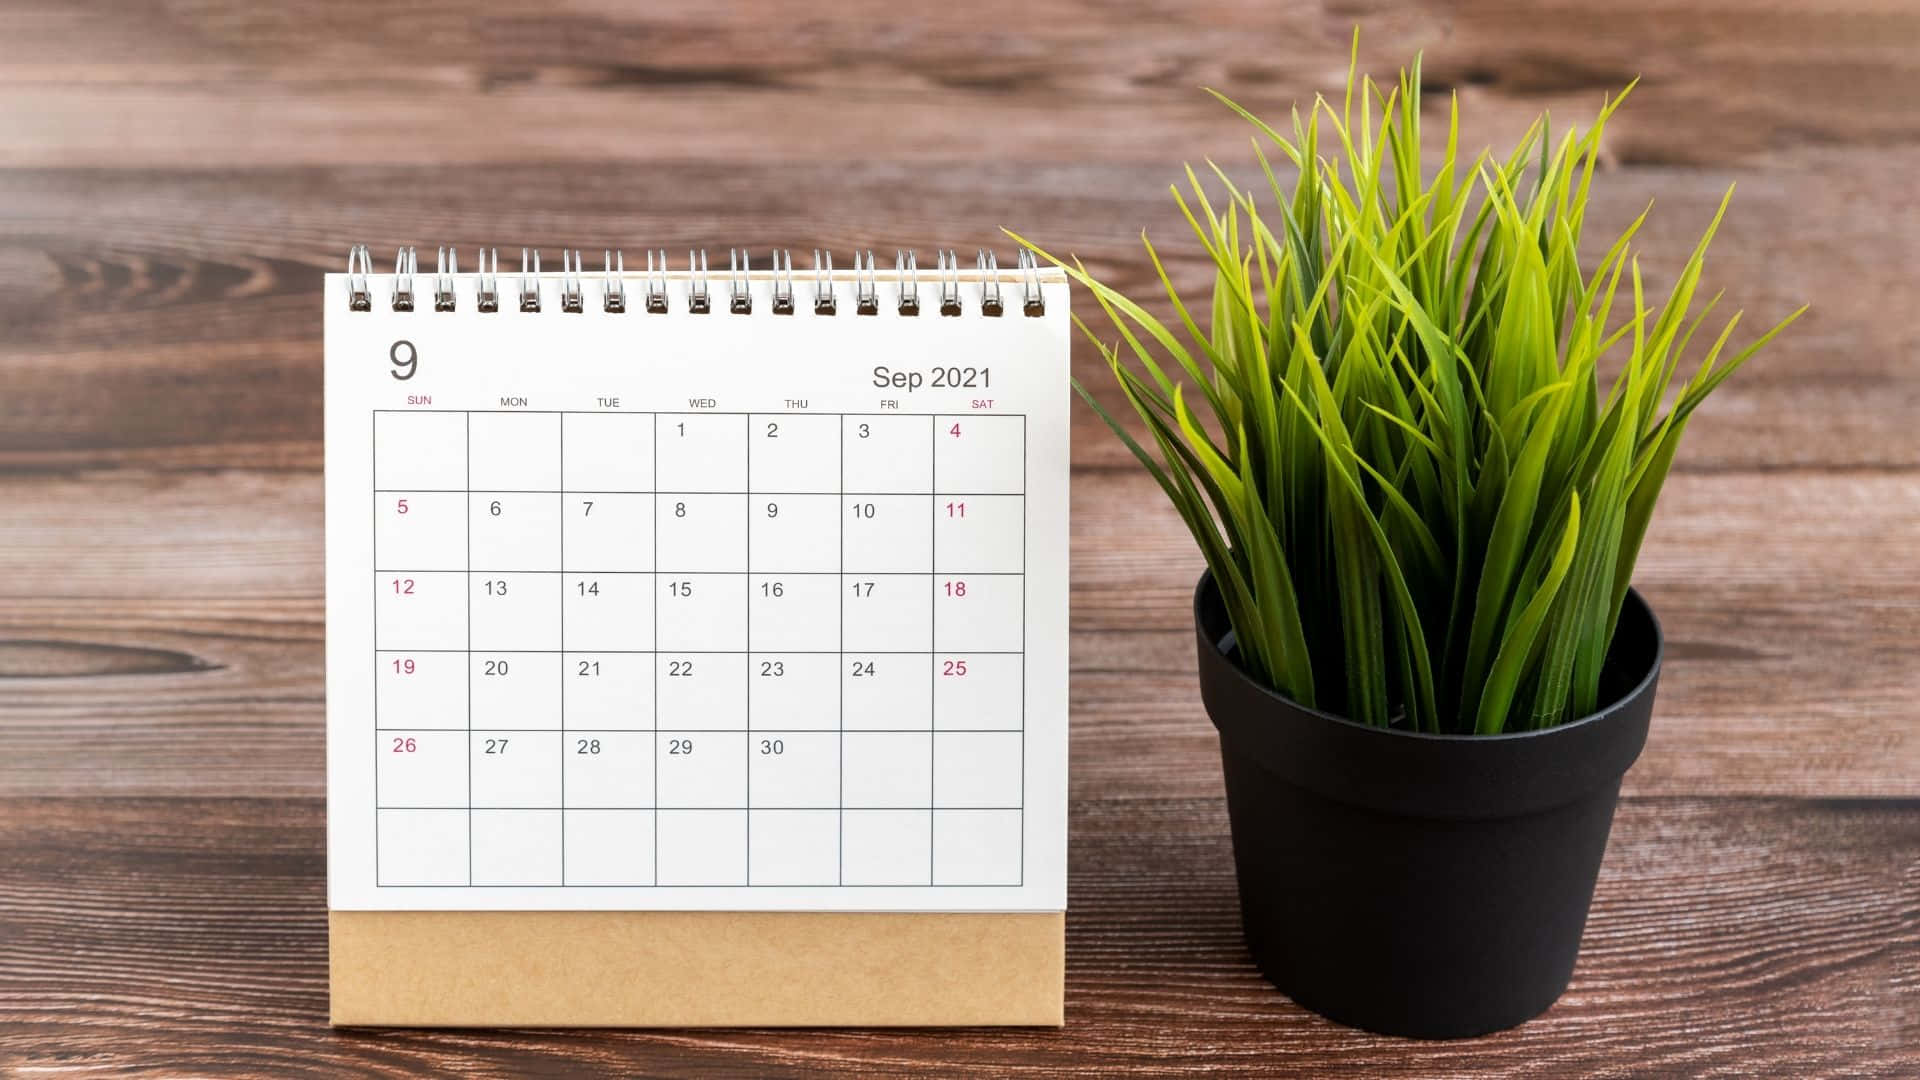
column 698, row 298
column 866, row 290
column 570, row 295
column 405, row 264
column 613, row 287
column 445, row 267
column 782, row 282
column 359, row 265
column 739, row 296
column 529, row 283
column 486, row 285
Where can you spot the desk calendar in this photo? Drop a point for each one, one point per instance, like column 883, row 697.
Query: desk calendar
column 748, row 595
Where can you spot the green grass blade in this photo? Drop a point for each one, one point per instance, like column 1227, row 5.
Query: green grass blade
column 1496, row 700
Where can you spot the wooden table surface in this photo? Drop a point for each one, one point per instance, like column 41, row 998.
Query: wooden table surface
column 174, row 178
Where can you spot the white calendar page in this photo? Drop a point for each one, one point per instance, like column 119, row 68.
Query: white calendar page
column 696, row 611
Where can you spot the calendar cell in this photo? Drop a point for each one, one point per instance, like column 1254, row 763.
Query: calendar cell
column 421, row 768
column 886, row 691
column 887, row 454
column 609, row 612
column 420, row 530
column 794, row 691
column 513, row 531
column 886, row 612
column 424, row 610
column 794, row 769
column 887, row 769
column 424, row 451
column 702, row 611
column 886, row 847
column 515, row 769
column 791, row 612
column 609, row 847
column 888, row 534
column 420, row 690
column 978, row 612
column 702, row 847
column 980, row 455
column 976, row 847
column 977, row 769
column 794, row 533
column 608, row 769
column 608, row 691
column 702, row 691
column 701, row 532
column 701, row 452
column 513, row 690
column 513, row 452
column 702, row 769
column 978, row 691
column 515, row 611
column 422, row 847
column 794, row 847
column 607, row 532
column 516, row 847
column 607, row 452
column 979, row 533
column 794, row 452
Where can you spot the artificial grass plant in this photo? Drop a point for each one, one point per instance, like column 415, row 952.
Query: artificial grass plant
column 1387, row 429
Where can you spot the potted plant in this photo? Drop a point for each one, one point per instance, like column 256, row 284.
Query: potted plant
column 1418, row 447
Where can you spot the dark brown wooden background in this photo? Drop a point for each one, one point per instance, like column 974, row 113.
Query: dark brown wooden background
column 174, row 177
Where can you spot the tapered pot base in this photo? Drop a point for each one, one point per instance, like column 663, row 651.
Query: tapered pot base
column 1426, row 885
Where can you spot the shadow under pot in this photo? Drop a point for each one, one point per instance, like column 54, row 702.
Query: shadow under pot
column 1418, row 884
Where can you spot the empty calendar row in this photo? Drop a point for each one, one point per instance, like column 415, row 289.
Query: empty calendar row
column 594, row 531
column 582, row 691
column 700, row 769
column 699, row 847
column 775, row 452
column 616, row 612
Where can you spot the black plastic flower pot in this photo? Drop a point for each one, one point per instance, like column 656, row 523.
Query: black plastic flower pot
column 1415, row 884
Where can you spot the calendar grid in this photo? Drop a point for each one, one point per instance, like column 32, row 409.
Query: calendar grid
column 561, row 480
column 509, row 798
column 688, row 491
column 653, row 819
column 373, row 556
column 715, row 574
column 721, row 809
column 840, row 760
column 705, row 652
column 933, row 638
column 732, row 731
column 466, row 499
column 747, row 525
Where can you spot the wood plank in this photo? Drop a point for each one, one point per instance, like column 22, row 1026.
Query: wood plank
column 201, row 667
column 1724, row 932
column 227, row 363
column 231, row 84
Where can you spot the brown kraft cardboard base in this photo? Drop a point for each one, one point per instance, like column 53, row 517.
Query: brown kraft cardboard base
column 695, row 968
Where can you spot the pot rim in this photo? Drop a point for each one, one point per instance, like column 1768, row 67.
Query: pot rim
column 1659, row 648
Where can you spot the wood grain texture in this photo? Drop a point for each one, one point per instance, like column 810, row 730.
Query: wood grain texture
column 174, row 178
column 204, row 938
column 1787, row 668
column 235, row 85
